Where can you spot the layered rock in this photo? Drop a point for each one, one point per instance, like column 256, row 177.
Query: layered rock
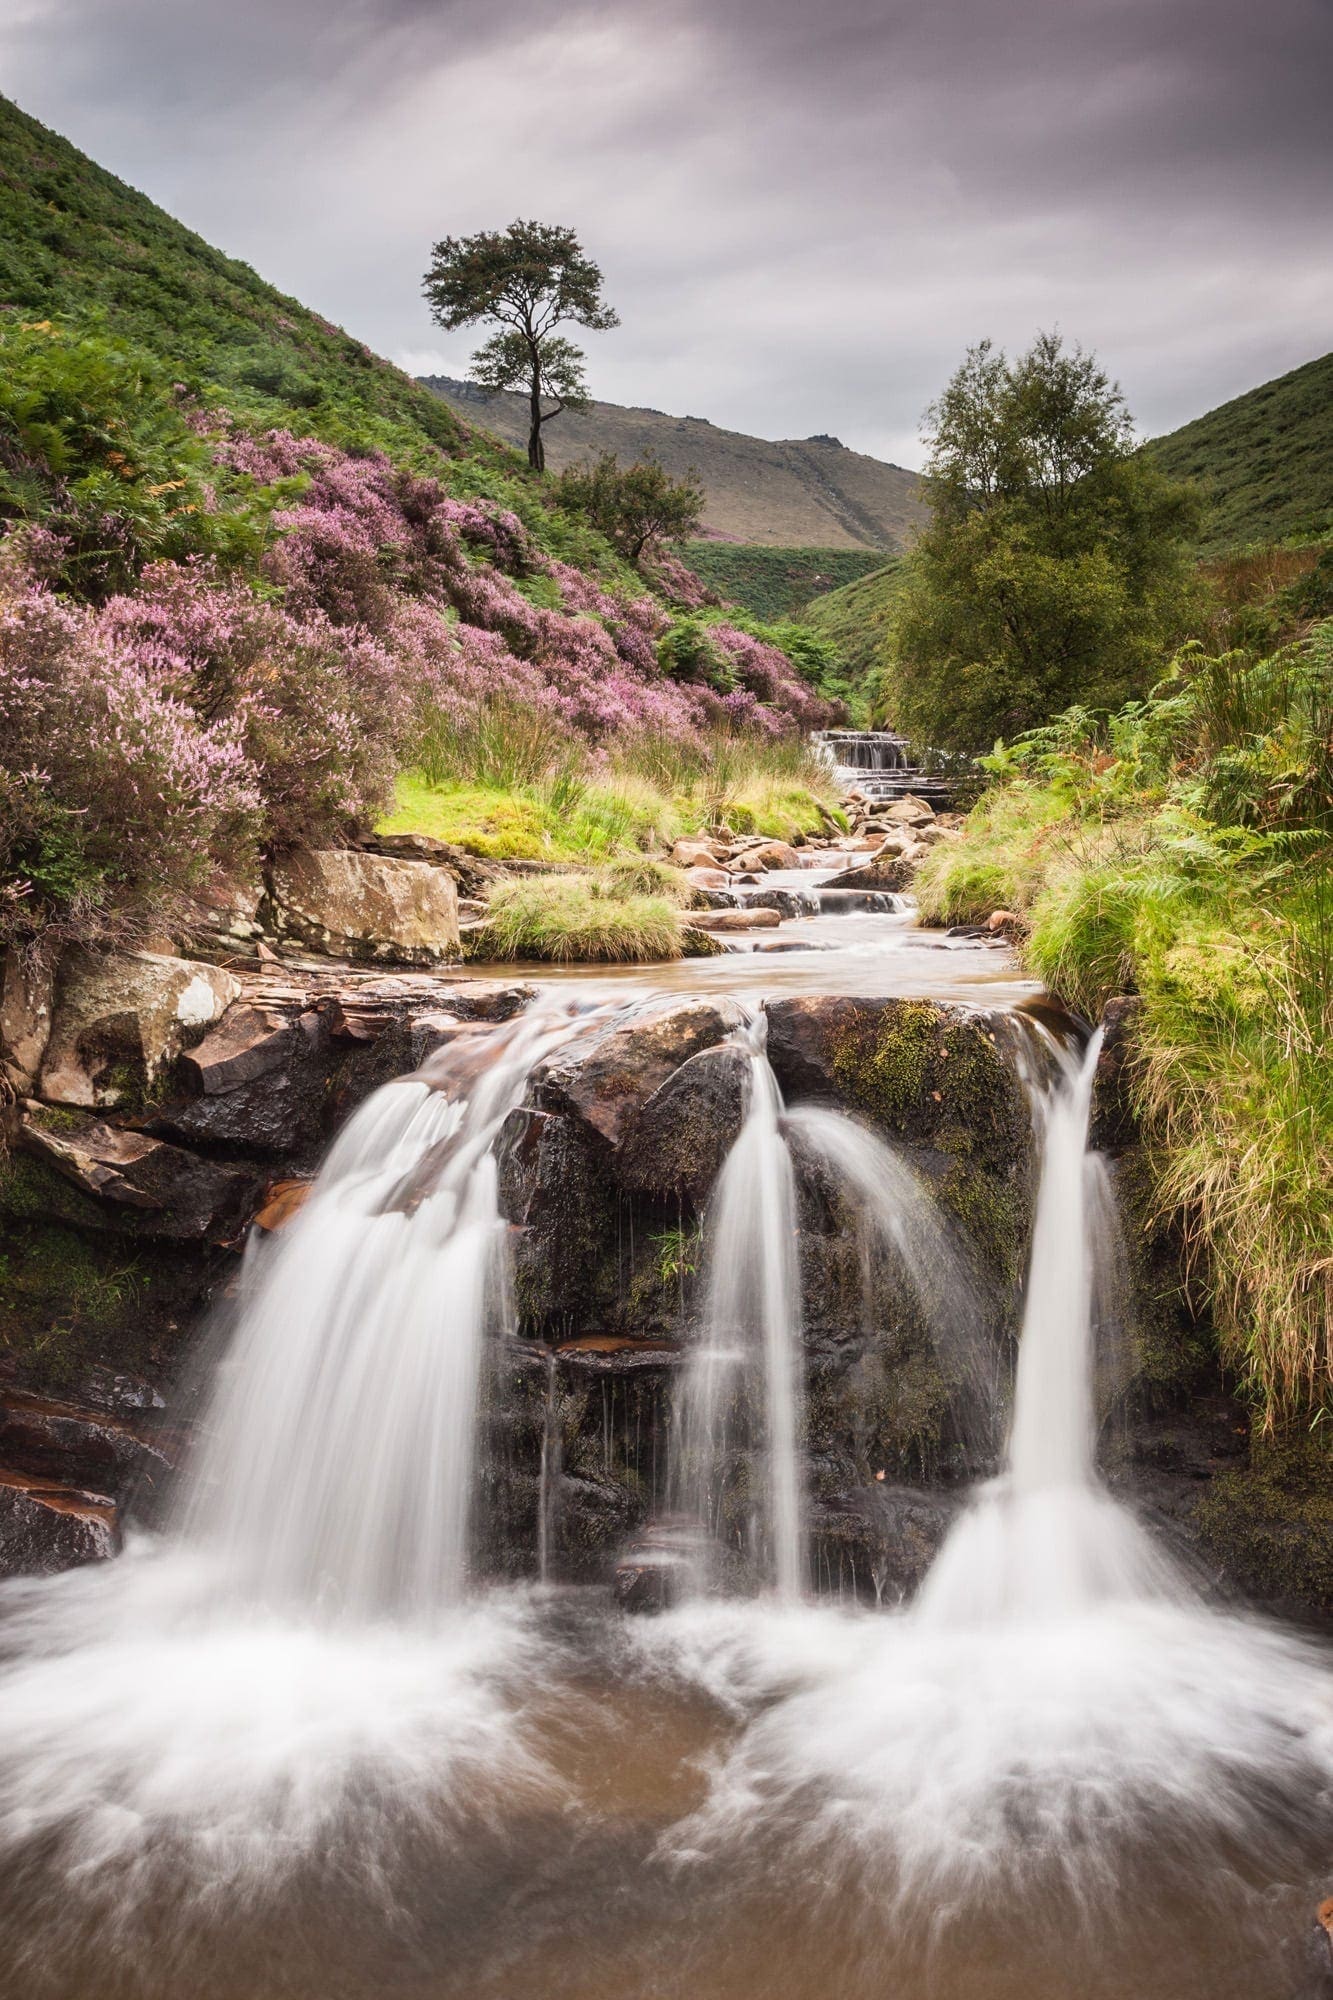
column 355, row 905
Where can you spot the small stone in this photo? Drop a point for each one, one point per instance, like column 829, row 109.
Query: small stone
column 735, row 920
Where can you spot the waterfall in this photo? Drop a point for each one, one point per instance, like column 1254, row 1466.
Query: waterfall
column 747, row 1371
column 1046, row 1538
column 337, row 1464
column 751, row 1356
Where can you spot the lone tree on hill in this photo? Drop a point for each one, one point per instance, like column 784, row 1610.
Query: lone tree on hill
column 530, row 278
column 1055, row 568
column 638, row 507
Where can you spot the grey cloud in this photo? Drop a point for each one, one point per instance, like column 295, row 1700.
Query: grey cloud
column 804, row 214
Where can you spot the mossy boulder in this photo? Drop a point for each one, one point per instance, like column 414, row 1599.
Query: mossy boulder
column 924, row 1071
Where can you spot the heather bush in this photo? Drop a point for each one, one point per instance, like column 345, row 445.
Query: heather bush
column 116, row 796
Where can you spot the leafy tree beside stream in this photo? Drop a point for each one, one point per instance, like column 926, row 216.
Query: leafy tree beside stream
column 1056, row 564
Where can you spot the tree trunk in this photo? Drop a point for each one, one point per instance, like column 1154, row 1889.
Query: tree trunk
column 536, row 455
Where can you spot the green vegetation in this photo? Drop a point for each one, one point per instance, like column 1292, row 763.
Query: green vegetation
column 599, row 919
column 857, row 621
column 637, row 507
column 1054, row 567
column 75, row 240
column 1264, row 460
column 1182, row 851
column 505, row 789
column 778, row 583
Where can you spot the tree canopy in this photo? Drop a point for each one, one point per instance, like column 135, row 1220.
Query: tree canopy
column 1055, row 566
column 638, row 507
column 529, row 280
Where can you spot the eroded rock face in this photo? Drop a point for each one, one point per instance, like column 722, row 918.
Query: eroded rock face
column 366, row 907
column 45, row 1527
column 142, row 1185
column 684, row 1132
column 260, row 1081
column 120, row 1016
column 607, row 1081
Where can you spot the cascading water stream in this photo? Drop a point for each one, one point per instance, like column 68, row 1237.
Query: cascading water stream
column 747, row 1371
column 1046, row 1537
column 750, row 1355
column 339, row 1454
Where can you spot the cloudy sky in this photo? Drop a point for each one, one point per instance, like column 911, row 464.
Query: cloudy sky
column 804, row 211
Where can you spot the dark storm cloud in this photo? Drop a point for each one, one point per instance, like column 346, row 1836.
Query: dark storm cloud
column 804, row 213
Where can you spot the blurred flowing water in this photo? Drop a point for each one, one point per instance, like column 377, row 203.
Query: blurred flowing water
column 286, row 1753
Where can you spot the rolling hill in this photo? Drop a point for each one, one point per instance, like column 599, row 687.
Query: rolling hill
column 75, row 240
column 794, row 493
column 1265, row 460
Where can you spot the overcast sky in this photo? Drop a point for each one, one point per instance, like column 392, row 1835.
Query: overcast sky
column 805, row 212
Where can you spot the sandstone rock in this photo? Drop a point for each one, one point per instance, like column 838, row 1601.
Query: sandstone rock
column 52, row 1440
column 697, row 853
column 735, row 920
column 888, row 871
column 45, row 1527
column 471, row 872
column 772, row 854
column 260, row 1079
column 120, row 1016
column 909, row 811
column 686, row 1129
column 231, row 909
column 362, row 906
column 141, row 1184
column 1007, row 924
column 26, row 994
column 707, row 878
column 606, row 1081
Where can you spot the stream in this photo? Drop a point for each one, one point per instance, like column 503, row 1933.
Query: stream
column 296, row 1746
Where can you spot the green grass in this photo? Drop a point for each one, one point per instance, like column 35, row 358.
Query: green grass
column 1265, row 460
column 504, row 787
column 775, row 583
column 578, row 919
column 1184, row 853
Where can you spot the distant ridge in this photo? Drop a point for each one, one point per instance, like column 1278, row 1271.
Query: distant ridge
column 792, row 493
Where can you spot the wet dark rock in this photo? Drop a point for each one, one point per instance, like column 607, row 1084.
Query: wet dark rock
column 260, row 1081
column 606, row 1081
column 45, row 1527
column 554, row 1189
column 78, row 1447
column 687, row 1127
column 787, row 902
column 1113, row 1122
column 926, row 1072
column 878, row 1541
column 142, row 1185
